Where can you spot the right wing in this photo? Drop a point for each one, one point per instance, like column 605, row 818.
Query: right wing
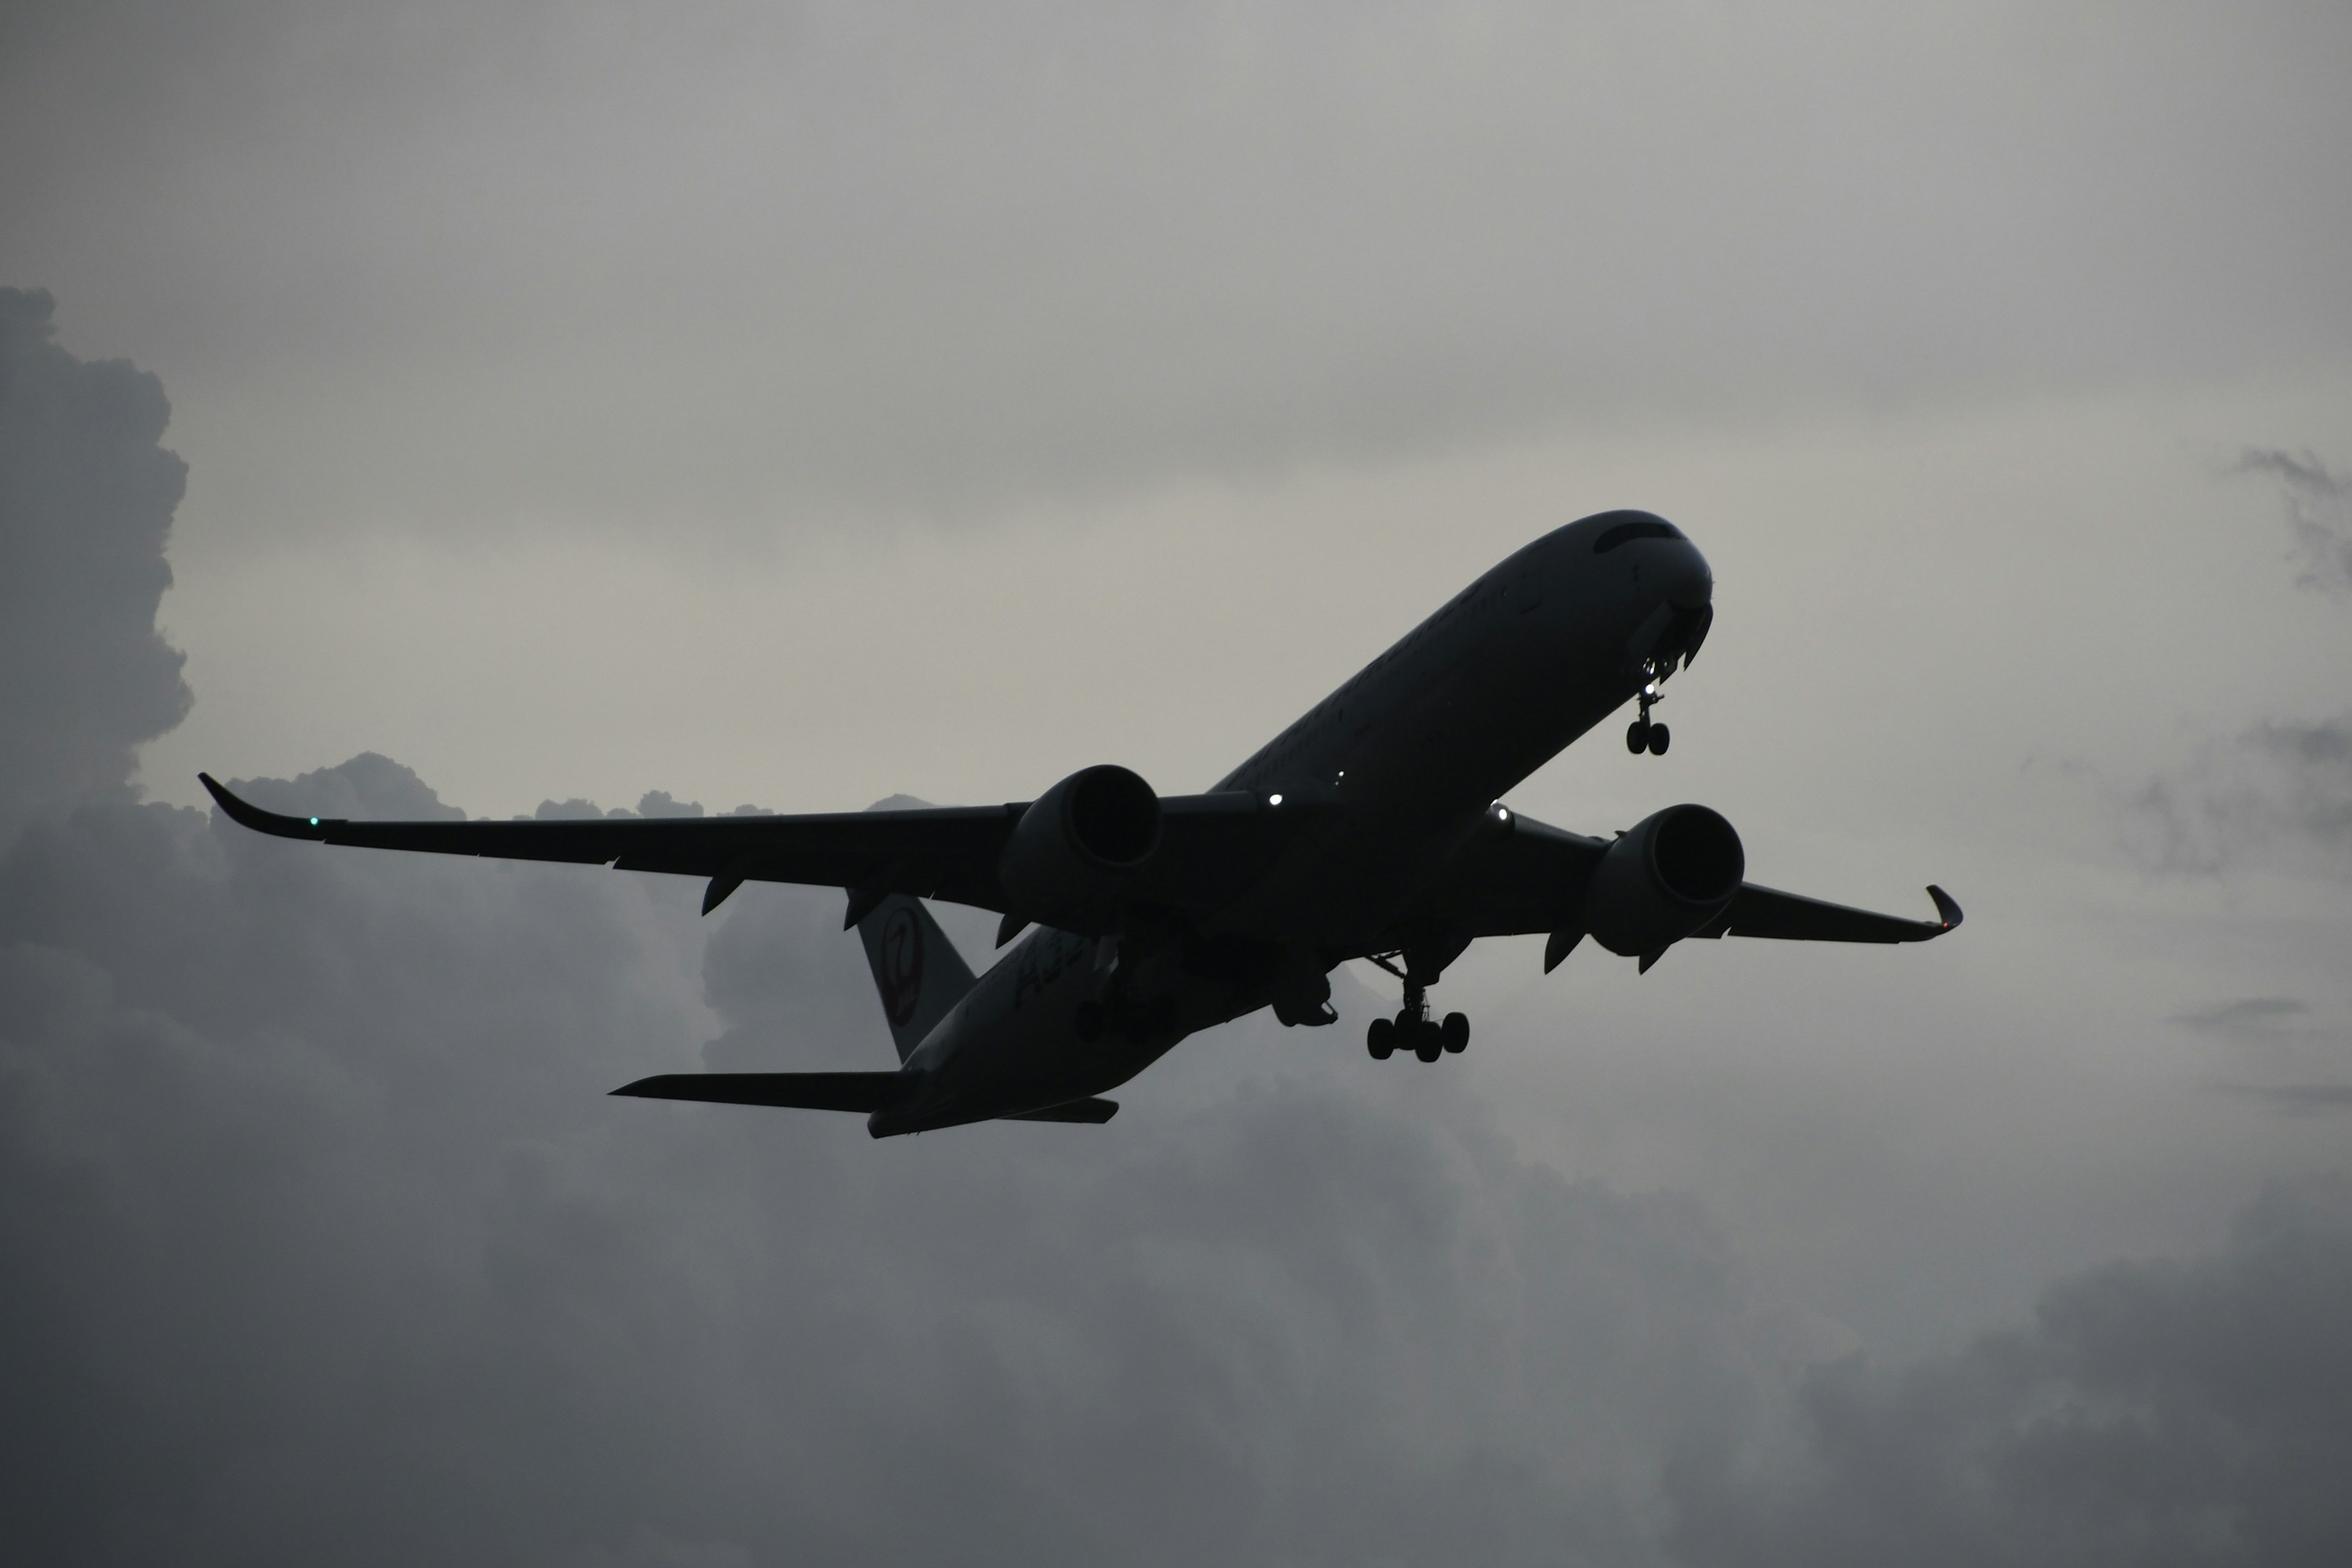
column 1516, row 876
column 1792, row 917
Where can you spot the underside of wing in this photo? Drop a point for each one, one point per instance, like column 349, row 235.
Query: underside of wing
column 1790, row 917
column 1093, row 1111
column 861, row 1092
column 1513, row 876
column 945, row 852
column 1212, row 847
column 1516, row 875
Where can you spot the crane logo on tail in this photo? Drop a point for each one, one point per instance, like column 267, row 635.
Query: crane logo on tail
column 900, row 972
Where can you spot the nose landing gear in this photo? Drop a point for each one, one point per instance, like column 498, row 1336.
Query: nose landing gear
column 1644, row 734
column 1412, row 1029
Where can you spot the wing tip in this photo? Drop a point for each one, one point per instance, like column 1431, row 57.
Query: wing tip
column 245, row 814
column 1947, row 909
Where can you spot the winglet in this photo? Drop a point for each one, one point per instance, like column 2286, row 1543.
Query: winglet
column 245, row 814
column 1946, row 907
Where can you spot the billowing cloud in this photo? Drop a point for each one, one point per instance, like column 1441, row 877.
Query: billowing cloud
column 86, row 492
column 2278, row 792
column 2318, row 503
column 329, row 1244
column 2150, row 1413
column 325, row 1243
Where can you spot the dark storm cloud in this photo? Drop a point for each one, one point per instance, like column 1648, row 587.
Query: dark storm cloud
column 86, row 499
column 2318, row 503
column 325, row 1244
column 328, row 1245
column 2151, row 1414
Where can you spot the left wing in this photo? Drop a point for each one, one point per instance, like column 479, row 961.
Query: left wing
column 1210, row 845
column 866, row 1092
column 944, row 852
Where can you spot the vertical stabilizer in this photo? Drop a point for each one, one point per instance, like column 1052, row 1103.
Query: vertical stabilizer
column 917, row 969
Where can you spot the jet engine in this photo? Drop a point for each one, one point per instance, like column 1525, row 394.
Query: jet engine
column 1662, row 881
column 1073, row 857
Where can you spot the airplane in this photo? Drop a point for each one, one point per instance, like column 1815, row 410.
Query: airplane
column 1371, row 829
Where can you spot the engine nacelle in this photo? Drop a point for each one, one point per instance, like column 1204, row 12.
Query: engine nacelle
column 1662, row 881
column 1073, row 857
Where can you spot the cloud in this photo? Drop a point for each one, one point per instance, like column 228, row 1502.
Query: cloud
column 2149, row 1413
column 87, row 493
column 2246, row 1013
column 657, row 803
column 653, row 802
column 315, row 1208
column 2303, row 1097
column 2318, row 503
column 2277, row 792
column 326, row 1242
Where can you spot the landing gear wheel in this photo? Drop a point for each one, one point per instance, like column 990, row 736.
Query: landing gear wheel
column 1646, row 734
column 1426, row 1043
column 1380, row 1039
column 1454, row 1033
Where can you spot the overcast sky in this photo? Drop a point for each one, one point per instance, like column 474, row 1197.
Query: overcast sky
column 796, row 406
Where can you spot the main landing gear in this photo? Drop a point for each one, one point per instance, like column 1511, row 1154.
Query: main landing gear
column 1644, row 734
column 1412, row 1029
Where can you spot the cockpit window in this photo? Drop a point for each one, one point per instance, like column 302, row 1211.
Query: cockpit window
column 1637, row 527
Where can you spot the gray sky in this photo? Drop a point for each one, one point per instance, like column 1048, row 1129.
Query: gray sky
column 796, row 406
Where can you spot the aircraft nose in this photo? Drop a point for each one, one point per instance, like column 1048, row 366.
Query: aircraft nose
column 1689, row 585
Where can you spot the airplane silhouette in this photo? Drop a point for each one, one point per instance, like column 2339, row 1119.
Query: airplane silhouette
column 1373, row 828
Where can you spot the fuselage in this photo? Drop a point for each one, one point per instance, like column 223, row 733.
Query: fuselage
column 1393, row 770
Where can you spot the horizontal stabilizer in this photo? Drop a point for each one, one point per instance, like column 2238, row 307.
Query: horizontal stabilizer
column 1096, row 1111
column 866, row 1092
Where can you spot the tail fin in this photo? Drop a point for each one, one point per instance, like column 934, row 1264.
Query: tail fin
column 917, row 969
